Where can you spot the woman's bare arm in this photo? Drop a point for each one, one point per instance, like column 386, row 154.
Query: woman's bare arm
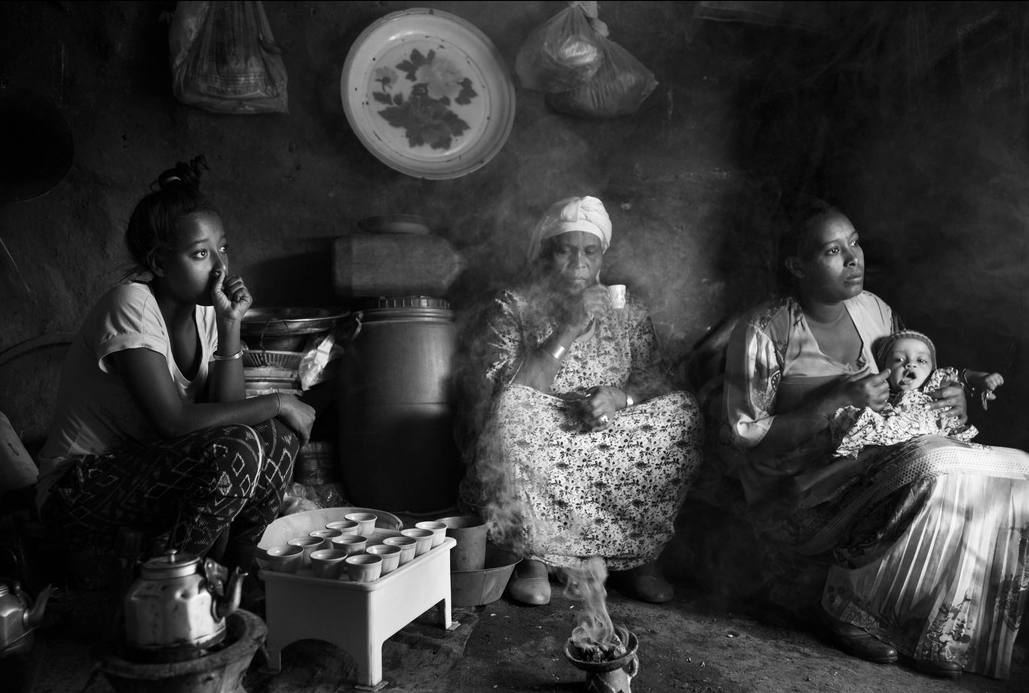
column 789, row 431
column 145, row 374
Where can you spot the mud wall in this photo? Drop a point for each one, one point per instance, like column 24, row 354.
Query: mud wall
column 910, row 115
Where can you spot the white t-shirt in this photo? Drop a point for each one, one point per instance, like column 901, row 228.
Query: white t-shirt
column 95, row 411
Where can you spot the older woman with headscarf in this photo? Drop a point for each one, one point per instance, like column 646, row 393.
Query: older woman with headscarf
column 585, row 451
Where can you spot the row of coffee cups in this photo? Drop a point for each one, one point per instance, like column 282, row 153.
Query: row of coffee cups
column 338, row 548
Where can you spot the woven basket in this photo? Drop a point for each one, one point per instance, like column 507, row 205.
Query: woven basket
column 257, row 358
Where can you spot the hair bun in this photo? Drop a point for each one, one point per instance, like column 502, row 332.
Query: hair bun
column 184, row 173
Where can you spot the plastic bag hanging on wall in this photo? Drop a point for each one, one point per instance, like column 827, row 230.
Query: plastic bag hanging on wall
column 564, row 52
column 582, row 72
column 224, row 58
column 618, row 89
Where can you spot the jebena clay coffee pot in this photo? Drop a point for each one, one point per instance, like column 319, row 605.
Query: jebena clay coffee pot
column 177, row 607
column 18, row 617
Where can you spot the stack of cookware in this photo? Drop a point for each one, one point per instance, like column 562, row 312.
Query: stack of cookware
column 275, row 341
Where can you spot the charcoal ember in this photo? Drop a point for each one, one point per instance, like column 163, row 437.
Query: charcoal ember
column 595, row 653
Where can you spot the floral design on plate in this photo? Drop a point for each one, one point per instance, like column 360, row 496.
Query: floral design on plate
column 428, row 94
column 425, row 116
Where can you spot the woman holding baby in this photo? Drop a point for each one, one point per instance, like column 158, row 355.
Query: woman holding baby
column 925, row 539
column 582, row 449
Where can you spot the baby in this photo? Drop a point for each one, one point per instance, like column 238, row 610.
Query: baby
column 911, row 359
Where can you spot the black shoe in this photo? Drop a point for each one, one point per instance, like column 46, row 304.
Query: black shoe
column 858, row 643
column 941, row 669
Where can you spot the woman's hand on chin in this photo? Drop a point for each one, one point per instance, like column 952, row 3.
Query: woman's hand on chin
column 231, row 298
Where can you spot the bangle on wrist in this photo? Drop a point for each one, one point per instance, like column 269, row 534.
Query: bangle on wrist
column 628, row 400
column 558, row 352
column 231, row 357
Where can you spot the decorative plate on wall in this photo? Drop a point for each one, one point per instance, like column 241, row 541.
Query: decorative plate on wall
column 428, row 93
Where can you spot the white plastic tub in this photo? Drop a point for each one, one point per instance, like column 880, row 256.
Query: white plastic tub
column 357, row 617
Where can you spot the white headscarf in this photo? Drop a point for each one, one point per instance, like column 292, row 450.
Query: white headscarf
column 586, row 214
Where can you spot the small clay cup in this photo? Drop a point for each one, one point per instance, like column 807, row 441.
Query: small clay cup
column 365, row 521
column 328, row 563
column 326, row 536
column 308, row 544
column 390, row 556
column 406, row 545
column 344, row 526
column 438, row 529
column 285, row 558
column 353, row 544
column 424, row 537
column 364, row 568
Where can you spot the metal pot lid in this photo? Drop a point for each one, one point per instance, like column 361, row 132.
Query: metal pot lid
column 281, row 322
column 170, row 565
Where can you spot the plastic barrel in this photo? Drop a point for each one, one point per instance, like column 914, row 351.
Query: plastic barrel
column 396, row 417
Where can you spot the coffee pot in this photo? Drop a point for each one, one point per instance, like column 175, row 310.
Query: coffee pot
column 18, row 617
column 177, row 607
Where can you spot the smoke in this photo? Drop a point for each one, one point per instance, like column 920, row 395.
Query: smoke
column 595, row 630
column 493, row 485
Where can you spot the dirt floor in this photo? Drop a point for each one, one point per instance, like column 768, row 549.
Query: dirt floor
column 686, row 645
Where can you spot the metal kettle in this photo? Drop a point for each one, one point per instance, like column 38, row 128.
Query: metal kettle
column 177, row 607
column 18, row 617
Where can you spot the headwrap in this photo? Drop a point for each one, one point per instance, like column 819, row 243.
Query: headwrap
column 586, row 214
column 889, row 341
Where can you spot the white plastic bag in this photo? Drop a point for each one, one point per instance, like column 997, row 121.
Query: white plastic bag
column 618, row 89
column 316, row 365
column 224, row 59
column 562, row 53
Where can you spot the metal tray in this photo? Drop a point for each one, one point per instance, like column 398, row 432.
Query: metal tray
column 428, row 93
column 281, row 322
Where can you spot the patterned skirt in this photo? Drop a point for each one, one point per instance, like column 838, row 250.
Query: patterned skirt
column 573, row 494
column 930, row 546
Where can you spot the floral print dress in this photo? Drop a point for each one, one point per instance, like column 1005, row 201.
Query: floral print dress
column 905, row 416
column 570, row 493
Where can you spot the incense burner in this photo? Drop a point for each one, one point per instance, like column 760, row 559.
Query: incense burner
column 608, row 674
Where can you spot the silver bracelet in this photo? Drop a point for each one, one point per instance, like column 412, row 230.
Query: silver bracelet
column 556, row 353
column 231, row 357
column 628, row 400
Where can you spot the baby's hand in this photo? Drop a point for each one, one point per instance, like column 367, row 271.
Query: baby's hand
column 986, row 383
column 992, row 381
